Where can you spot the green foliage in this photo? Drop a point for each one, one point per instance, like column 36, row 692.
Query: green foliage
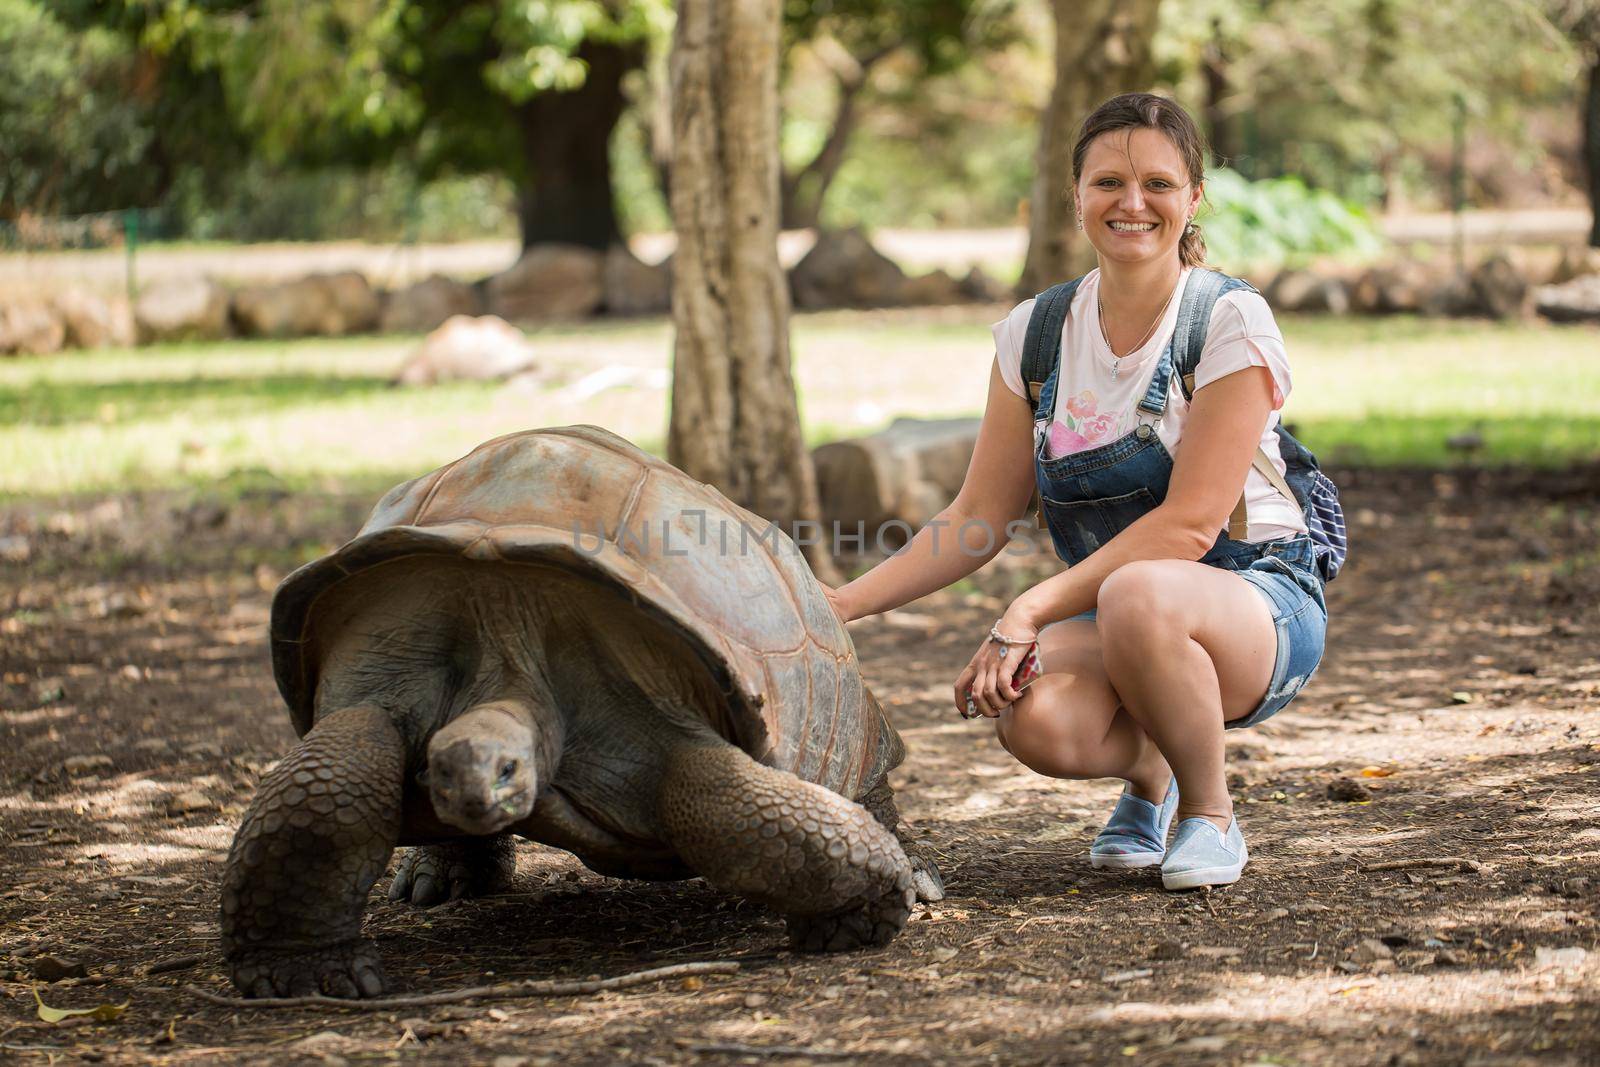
column 1279, row 219
column 67, row 127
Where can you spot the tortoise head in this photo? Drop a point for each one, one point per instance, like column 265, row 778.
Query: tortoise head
column 482, row 769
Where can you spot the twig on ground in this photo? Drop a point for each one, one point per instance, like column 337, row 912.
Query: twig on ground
column 502, row 991
column 733, row 1048
column 1458, row 862
column 174, row 963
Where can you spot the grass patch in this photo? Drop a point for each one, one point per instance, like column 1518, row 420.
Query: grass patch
column 321, row 414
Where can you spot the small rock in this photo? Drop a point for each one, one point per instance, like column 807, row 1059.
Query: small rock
column 1168, row 950
column 48, row 691
column 1370, row 950
column 203, row 750
column 79, row 766
column 151, row 744
column 1450, row 957
column 1546, row 958
column 189, row 801
column 15, row 548
column 754, row 1000
column 832, row 992
column 1348, row 789
column 1216, row 952
column 55, row 968
column 945, row 954
column 1278, row 913
column 1381, row 966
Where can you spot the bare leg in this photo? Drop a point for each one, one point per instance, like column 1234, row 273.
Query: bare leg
column 1070, row 723
column 1187, row 647
column 839, row 878
column 451, row 870
column 318, row 834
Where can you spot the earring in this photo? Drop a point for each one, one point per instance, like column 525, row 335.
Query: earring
column 1080, row 223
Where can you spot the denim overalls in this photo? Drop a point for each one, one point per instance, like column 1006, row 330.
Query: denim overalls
column 1088, row 497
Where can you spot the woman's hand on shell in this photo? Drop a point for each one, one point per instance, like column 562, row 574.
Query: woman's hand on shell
column 836, row 602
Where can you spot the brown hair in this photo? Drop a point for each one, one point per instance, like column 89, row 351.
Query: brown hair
column 1149, row 111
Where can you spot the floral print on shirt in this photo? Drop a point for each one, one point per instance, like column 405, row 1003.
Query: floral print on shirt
column 1079, row 425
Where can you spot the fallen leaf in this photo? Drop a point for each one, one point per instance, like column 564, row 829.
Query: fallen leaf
column 1376, row 772
column 102, row 1013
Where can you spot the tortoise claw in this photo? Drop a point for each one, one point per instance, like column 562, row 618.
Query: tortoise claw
column 433, row 874
column 350, row 971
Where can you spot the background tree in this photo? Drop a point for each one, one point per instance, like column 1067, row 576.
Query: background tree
column 1103, row 47
column 527, row 88
column 1580, row 21
column 735, row 422
column 852, row 39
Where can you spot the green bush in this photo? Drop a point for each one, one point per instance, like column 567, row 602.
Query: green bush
column 1279, row 220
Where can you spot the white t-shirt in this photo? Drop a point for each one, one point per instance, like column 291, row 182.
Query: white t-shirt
column 1093, row 409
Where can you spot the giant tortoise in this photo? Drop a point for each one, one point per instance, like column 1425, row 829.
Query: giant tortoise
column 562, row 638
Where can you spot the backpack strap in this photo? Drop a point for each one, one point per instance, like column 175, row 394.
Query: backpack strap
column 1200, row 296
column 1041, row 345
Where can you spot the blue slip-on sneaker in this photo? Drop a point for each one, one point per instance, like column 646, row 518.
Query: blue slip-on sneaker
column 1136, row 834
column 1203, row 855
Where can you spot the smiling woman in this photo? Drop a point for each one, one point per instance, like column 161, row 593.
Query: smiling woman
column 1141, row 401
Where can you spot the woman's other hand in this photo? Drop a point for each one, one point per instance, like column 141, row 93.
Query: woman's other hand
column 989, row 675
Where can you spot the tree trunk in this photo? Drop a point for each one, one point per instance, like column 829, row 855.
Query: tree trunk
column 804, row 190
column 1221, row 127
column 735, row 420
column 566, row 195
column 1102, row 48
column 1591, row 145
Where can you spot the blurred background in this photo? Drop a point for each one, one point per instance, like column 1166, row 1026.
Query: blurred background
column 227, row 227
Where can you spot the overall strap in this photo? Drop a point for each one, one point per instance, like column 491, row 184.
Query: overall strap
column 1041, row 345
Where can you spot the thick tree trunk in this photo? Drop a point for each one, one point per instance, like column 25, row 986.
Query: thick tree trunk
column 1591, row 146
column 1221, row 127
column 735, row 419
column 1102, row 48
column 566, row 195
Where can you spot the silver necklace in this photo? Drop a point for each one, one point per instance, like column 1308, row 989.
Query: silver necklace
column 1116, row 361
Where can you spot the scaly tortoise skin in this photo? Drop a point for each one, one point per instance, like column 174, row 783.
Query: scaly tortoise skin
column 687, row 705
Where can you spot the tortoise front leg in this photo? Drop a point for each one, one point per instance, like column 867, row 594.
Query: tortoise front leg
column 924, row 871
column 318, row 834
column 838, row 877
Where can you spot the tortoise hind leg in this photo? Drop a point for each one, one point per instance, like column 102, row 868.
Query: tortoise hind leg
column 925, row 874
column 316, row 836
column 471, row 867
column 837, row 875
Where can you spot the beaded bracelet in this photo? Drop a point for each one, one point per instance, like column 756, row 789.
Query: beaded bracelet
column 1001, row 639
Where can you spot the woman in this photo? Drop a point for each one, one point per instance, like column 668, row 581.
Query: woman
column 1161, row 633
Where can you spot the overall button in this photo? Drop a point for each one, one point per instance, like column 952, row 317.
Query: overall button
column 1143, row 432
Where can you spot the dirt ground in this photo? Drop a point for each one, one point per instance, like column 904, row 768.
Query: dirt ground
column 1460, row 694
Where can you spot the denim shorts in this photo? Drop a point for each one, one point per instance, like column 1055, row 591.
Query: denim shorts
column 1285, row 576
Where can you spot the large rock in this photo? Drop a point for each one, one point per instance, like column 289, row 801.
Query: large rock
column 980, row 287
column 1304, row 290
column 319, row 305
column 93, row 321
column 1576, row 261
column 1450, row 294
column 906, row 474
column 549, row 282
column 185, row 309
column 934, row 289
column 1391, row 288
column 1498, row 289
column 485, row 348
column 31, row 328
column 634, row 287
column 1577, row 300
column 428, row 304
column 844, row 270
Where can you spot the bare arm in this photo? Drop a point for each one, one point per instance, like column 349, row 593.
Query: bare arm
column 1219, row 441
column 997, row 488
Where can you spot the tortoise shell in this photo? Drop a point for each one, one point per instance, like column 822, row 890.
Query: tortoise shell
column 583, row 499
